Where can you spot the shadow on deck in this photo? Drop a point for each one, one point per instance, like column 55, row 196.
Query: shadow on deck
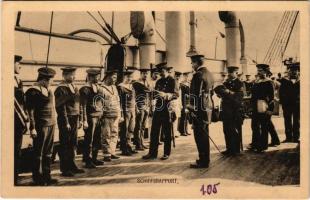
column 278, row 166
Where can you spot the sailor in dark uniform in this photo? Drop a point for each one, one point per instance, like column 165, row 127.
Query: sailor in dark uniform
column 262, row 105
column 91, row 113
column 162, row 118
column 67, row 98
column 200, row 94
column 289, row 93
column 20, row 117
column 184, row 87
column 128, row 103
column 143, row 102
column 231, row 93
column 41, row 108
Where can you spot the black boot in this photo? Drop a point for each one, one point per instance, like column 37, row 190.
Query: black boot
column 94, row 159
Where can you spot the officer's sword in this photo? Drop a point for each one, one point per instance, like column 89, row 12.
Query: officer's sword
column 195, row 118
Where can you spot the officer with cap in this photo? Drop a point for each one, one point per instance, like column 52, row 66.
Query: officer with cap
column 91, row 104
column 289, row 93
column 41, row 108
column 200, row 94
column 231, row 93
column 262, row 101
column 128, row 103
column 20, row 117
column 184, row 87
column 67, row 98
column 143, row 103
column 111, row 117
column 162, row 118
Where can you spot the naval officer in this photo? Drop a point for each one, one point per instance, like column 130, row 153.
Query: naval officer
column 165, row 92
column 200, row 94
column 231, row 93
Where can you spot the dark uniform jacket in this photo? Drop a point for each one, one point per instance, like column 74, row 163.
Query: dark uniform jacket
column 263, row 90
column 127, row 97
column 232, row 101
column 18, row 92
column 91, row 101
column 248, row 87
column 143, row 94
column 185, row 92
column 289, row 92
column 41, row 101
column 168, row 86
column 200, row 93
column 67, row 102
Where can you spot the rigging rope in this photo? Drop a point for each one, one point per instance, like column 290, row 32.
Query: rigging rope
column 30, row 43
column 49, row 39
column 279, row 43
column 161, row 36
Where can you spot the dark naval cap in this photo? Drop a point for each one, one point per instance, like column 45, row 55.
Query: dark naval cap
column 154, row 70
column 17, row 58
column 177, row 73
column 46, row 72
column 110, row 72
column 187, row 72
column 197, row 56
column 129, row 70
column 294, row 66
column 68, row 69
column 144, row 69
column 231, row 69
column 93, row 72
column 163, row 66
column 264, row 67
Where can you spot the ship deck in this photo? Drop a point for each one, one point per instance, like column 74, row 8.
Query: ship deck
column 278, row 166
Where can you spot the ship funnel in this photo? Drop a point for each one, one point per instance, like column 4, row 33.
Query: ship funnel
column 233, row 40
column 176, row 41
column 143, row 28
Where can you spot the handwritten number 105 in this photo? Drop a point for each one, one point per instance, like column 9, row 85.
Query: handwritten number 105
column 209, row 189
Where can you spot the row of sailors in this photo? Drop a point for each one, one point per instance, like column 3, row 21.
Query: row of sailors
column 101, row 110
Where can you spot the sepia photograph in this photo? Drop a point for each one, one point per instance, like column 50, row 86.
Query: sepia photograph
column 168, row 101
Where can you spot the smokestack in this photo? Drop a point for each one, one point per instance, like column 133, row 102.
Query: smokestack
column 232, row 32
column 143, row 28
column 176, row 41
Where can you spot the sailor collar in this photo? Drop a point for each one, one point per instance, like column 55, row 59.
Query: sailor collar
column 17, row 81
column 106, row 87
column 94, row 86
column 200, row 67
column 126, row 86
column 71, row 86
column 43, row 90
